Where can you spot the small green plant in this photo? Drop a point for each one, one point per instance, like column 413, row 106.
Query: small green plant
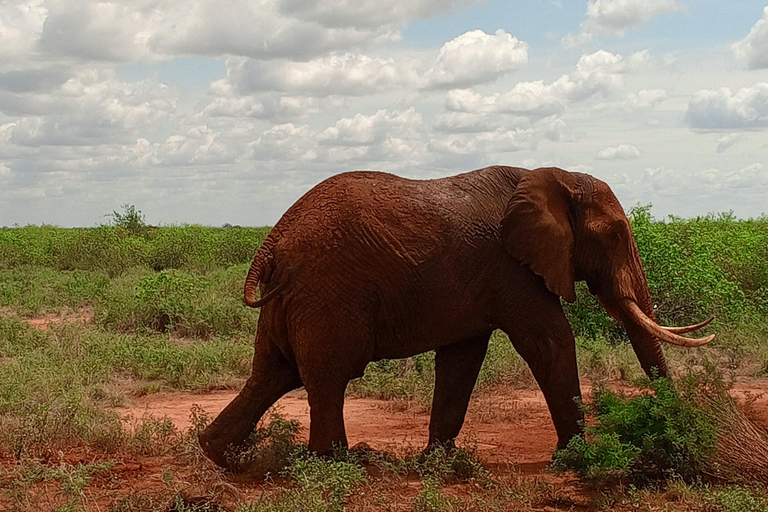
column 447, row 466
column 130, row 219
column 269, row 448
column 322, row 485
column 431, row 498
column 646, row 438
column 741, row 499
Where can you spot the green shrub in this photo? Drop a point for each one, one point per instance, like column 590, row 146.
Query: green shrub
column 646, row 438
column 269, row 448
column 322, row 485
column 183, row 302
column 740, row 499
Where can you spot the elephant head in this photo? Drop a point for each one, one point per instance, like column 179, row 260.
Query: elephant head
column 570, row 227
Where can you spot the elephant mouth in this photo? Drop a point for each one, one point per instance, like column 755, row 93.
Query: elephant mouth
column 671, row 335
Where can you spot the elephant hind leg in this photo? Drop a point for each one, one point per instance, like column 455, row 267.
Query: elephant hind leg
column 273, row 376
column 326, row 417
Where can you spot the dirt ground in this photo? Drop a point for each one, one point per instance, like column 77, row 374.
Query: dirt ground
column 503, row 425
column 509, row 429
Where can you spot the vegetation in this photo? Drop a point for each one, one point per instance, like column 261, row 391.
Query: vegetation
column 643, row 439
column 132, row 309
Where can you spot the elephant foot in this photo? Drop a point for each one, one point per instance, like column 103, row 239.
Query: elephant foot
column 225, row 435
column 433, row 445
column 562, row 442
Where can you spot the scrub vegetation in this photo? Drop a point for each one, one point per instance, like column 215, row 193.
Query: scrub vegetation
column 132, row 309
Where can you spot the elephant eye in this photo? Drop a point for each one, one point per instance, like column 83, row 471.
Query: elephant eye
column 615, row 236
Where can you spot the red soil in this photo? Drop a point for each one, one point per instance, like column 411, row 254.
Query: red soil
column 510, row 430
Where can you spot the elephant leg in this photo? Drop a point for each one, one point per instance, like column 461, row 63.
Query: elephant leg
column 326, row 417
column 456, row 369
column 272, row 376
column 549, row 348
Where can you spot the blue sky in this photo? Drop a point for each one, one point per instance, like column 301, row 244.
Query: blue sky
column 208, row 113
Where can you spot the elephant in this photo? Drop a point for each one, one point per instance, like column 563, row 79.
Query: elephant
column 369, row 266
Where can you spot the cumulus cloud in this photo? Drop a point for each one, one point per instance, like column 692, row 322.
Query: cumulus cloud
column 753, row 176
column 252, row 29
column 94, row 109
column 725, row 142
column 472, row 58
column 364, row 13
column 620, row 152
column 615, row 16
column 152, row 30
column 267, row 106
column 385, row 135
column 20, row 27
column 725, row 110
column 754, row 48
column 494, row 142
column 103, row 31
column 348, row 74
column 645, row 99
column 598, row 72
column 476, row 57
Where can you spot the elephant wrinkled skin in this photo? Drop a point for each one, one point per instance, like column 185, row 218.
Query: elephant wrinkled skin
column 368, row 266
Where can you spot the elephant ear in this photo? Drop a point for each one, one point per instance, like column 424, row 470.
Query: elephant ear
column 537, row 231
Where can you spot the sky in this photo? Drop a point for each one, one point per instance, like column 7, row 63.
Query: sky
column 220, row 113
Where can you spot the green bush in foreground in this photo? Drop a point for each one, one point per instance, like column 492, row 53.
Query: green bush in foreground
column 646, row 438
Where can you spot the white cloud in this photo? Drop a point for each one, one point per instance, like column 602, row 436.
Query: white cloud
column 152, row 30
column 285, row 142
column 200, row 145
column 94, row 109
column 364, row 13
column 725, row 142
column 269, row 106
column 620, row 152
column 754, row 176
column 463, row 122
column 476, row 57
column 347, row 75
column 645, row 99
column 598, row 72
column 722, row 109
column 103, row 31
column 615, row 16
column 754, row 47
column 486, row 143
column 363, row 130
column 20, row 26
column 472, row 58
column 252, row 29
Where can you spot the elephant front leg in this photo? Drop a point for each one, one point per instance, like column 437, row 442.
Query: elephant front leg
column 553, row 364
column 545, row 341
column 456, row 369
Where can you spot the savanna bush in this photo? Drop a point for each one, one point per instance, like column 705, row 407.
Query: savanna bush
column 116, row 248
column 644, row 439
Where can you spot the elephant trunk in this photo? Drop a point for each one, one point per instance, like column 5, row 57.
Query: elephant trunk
column 635, row 310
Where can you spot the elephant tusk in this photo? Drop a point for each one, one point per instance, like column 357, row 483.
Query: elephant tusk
column 636, row 314
column 688, row 328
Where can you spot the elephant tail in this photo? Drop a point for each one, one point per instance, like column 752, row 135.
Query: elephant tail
column 261, row 262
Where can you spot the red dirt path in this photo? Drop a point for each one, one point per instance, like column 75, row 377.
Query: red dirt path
column 504, row 425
